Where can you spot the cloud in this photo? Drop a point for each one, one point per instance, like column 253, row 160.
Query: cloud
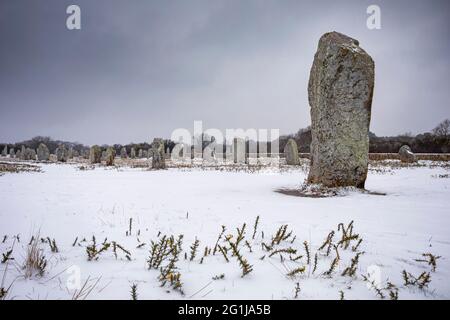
column 140, row 69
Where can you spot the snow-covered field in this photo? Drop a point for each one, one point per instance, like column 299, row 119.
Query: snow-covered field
column 65, row 203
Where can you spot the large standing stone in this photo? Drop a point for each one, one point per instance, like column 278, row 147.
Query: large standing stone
column 43, row 154
column 12, row 154
column 406, row 155
column 110, row 155
column 95, row 154
column 5, row 151
column 62, row 153
column 158, row 158
column 340, row 95
column 291, row 152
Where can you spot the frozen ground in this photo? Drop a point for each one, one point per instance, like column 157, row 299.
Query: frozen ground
column 64, row 203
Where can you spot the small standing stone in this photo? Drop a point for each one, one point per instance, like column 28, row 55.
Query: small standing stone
column 95, row 154
column 133, row 153
column 28, row 154
column 43, row 154
column 340, row 94
column 61, row 153
column 23, row 153
column 5, row 151
column 291, row 152
column 70, row 154
column 178, row 151
column 239, row 150
column 406, row 155
column 110, row 155
column 32, row 154
column 158, row 158
column 12, row 154
column 123, row 153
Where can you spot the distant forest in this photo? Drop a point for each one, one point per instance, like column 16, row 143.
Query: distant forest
column 436, row 141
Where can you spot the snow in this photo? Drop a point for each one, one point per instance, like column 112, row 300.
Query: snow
column 63, row 203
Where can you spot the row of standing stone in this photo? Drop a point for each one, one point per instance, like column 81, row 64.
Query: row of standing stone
column 96, row 154
column 42, row 153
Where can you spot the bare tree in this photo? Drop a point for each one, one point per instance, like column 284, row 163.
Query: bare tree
column 442, row 129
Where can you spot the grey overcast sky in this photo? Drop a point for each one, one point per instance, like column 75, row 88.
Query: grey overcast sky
column 140, row 69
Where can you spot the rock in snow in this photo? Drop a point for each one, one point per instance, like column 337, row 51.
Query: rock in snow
column 406, row 155
column 158, row 159
column 110, row 155
column 291, row 152
column 43, row 154
column 95, row 154
column 340, row 95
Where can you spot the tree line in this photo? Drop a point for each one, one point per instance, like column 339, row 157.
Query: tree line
column 436, row 141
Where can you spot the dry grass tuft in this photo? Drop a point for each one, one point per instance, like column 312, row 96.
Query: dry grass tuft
column 35, row 261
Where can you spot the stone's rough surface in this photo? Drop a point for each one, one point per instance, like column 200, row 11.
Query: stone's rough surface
column 406, row 155
column 110, row 155
column 62, row 154
column 158, row 158
column 95, row 154
column 291, row 152
column 123, row 153
column 43, row 154
column 340, row 94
